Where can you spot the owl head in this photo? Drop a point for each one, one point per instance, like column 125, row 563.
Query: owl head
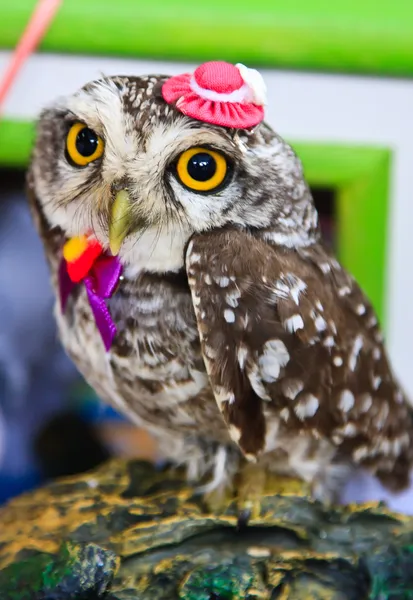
column 116, row 159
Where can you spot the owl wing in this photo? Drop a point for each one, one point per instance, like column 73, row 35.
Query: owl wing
column 289, row 334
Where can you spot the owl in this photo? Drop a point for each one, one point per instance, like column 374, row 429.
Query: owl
column 241, row 343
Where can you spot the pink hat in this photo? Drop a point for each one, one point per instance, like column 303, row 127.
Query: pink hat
column 219, row 93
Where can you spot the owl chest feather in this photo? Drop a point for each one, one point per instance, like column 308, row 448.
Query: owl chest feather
column 154, row 372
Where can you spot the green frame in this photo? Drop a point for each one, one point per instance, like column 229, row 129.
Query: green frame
column 359, row 175
column 363, row 36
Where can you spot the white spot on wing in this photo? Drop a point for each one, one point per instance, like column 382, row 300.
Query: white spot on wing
column 307, row 406
column 292, row 324
column 297, row 289
column 274, row 357
column 360, row 309
column 355, row 351
column 337, row 361
column 222, row 281
column 346, row 401
column 232, row 298
column 376, row 381
column 229, row 315
column 348, row 430
column 320, row 323
column 281, row 290
column 344, row 291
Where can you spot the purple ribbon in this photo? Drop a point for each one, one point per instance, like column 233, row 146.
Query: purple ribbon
column 100, row 284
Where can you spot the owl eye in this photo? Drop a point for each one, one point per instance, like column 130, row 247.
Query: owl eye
column 83, row 145
column 201, row 169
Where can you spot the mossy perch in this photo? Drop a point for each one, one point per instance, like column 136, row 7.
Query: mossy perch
column 127, row 531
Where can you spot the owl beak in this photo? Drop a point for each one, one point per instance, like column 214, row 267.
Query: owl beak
column 119, row 221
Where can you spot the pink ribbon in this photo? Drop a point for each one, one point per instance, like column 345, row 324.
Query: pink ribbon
column 100, row 283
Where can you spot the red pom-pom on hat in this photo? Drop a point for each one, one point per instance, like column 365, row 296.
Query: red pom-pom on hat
column 218, row 76
column 219, row 93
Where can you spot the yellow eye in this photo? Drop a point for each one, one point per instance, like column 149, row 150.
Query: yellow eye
column 201, row 169
column 83, row 145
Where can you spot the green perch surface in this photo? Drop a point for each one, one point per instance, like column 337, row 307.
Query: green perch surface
column 127, row 531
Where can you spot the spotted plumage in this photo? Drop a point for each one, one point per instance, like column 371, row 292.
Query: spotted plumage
column 293, row 338
column 240, row 337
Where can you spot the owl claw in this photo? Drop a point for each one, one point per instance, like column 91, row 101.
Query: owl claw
column 246, row 494
column 244, row 517
column 254, row 483
column 218, row 500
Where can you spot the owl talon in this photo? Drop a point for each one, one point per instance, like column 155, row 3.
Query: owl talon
column 243, row 518
column 255, row 482
column 250, row 486
column 218, row 501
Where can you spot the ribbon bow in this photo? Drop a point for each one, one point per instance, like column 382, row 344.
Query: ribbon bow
column 84, row 261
